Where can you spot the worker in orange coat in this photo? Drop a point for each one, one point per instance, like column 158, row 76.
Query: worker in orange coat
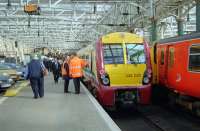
column 75, row 69
column 65, row 73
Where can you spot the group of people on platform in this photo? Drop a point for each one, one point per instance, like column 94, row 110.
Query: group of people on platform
column 70, row 68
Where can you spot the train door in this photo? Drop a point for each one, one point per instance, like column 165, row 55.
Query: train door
column 170, row 69
column 162, row 64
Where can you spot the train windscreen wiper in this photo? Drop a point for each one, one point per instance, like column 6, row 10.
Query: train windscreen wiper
column 112, row 55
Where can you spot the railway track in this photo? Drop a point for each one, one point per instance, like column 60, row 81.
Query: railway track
column 152, row 118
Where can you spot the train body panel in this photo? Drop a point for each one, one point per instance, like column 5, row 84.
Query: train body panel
column 125, row 74
column 174, row 62
column 120, row 65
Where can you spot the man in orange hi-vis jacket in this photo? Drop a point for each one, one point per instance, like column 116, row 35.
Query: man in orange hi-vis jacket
column 75, row 70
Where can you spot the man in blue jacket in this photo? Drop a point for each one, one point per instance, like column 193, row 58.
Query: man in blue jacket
column 36, row 76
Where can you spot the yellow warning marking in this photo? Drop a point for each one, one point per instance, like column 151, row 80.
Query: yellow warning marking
column 14, row 92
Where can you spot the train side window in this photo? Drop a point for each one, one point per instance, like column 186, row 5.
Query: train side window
column 194, row 58
column 171, row 57
column 162, row 61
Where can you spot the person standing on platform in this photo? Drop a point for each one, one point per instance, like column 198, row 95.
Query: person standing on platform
column 65, row 73
column 56, row 70
column 35, row 73
column 75, row 69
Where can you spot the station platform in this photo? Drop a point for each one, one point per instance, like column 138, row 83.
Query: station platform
column 55, row 112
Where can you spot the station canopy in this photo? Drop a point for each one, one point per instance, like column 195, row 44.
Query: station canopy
column 73, row 24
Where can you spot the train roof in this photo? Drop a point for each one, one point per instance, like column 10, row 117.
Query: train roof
column 121, row 37
column 180, row 38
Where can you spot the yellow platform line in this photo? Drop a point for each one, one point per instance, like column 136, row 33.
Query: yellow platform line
column 14, row 92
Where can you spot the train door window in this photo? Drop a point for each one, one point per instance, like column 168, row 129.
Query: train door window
column 162, row 59
column 194, row 58
column 135, row 53
column 113, row 54
column 171, row 57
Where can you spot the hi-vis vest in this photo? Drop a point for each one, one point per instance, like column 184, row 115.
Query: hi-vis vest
column 63, row 70
column 75, row 67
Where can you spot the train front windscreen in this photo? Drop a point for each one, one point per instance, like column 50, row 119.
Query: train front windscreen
column 124, row 63
column 135, row 54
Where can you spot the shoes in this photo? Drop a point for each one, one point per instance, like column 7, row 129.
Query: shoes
column 77, row 92
column 35, row 97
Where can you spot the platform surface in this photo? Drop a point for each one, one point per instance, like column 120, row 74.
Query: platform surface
column 55, row 112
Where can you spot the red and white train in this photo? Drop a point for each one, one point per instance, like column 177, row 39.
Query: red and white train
column 177, row 67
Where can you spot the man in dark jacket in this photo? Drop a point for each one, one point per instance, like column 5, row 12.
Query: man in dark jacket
column 36, row 77
column 56, row 70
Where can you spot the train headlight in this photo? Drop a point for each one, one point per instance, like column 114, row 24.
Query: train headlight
column 146, row 80
column 105, row 79
column 103, row 76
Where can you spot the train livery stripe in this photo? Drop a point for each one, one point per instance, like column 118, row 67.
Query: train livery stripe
column 112, row 125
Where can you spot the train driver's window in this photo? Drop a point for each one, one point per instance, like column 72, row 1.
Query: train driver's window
column 135, row 53
column 113, row 54
column 194, row 58
column 162, row 61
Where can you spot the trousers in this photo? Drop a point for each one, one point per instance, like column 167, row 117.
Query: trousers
column 37, row 85
column 66, row 84
column 56, row 76
column 77, row 85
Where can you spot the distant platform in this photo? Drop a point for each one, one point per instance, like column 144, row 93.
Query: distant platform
column 55, row 112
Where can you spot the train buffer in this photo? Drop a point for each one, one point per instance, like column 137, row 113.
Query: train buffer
column 55, row 112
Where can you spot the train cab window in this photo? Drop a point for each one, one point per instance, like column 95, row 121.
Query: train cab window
column 113, row 54
column 162, row 61
column 171, row 57
column 135, row 53
column 194, row 58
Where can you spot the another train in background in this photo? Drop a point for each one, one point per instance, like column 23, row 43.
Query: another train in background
column 176, row 67
column 119, row 69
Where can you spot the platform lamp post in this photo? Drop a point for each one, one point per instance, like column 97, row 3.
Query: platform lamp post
column 180, row 20
column 180, row 26
column 153, row 29
column 153, row 21
column 198, row 15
